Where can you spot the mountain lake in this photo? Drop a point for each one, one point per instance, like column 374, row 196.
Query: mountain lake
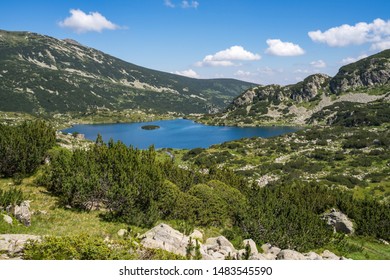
column 178, row 133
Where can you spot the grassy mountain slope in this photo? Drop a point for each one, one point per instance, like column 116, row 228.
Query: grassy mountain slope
column 43, row 74
column 316, row 99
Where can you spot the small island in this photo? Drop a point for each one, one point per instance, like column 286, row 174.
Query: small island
column 150, row 127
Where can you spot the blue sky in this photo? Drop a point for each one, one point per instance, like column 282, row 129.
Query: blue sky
column 261, row 41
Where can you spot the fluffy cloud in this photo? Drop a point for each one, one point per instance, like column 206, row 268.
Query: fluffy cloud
column 187, row 4
column 81, row 22
column 349, row 60
column 226, row 57
column 318, row 64
column 380, row 46
column 241, row 73
column 188, row 73
column 169, row 4
column 377, row 32
column 279, row 48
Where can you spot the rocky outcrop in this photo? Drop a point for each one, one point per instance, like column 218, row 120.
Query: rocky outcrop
column 12, row 245
column 339, row 221
column 309, row 87
column 368, row 72
column 219, row 248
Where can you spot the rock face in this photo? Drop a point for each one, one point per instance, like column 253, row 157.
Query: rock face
column 219, row 248
column 339, row 221
column 21, row 212
column 12, row 244
column 309, row 87
column 368, row 72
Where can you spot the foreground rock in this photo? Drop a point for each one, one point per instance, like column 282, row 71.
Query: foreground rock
column 12, row 245
column 219, row 248
column 166, row 238
column 339, row 221
column 21, row 212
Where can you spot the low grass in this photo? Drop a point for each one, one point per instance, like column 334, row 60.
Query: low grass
column 49, row 218
column 362, row 248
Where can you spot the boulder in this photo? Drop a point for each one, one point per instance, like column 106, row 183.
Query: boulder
column 21, row 212
column 265, row 247
column 196, row 234
column 165, row 237
column 218, row 256
column 339, row 221
column 13, row 244
column 288, row 254
column 251, row 244
column 7, row 219
column 312, row 256
column 122, row 232
column 257, row 256
column 328, row 255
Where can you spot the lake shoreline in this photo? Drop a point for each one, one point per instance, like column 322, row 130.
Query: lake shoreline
column 178, row 133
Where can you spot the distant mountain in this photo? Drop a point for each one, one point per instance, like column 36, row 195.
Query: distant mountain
column 316, row 99
column 43, row 74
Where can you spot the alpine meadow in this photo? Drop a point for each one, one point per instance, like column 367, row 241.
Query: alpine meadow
column 319, row 190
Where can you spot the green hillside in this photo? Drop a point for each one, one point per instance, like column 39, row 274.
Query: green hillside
column 40, row 74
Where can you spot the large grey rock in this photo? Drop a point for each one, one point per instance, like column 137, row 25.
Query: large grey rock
column 165, row 237
column 290, row 255
column 339, row 221
column 257, row 256
column 7, row 219
column 251, row 244
column 312, row 256
column 221, row 245
column 328, row 255
column 21, row 212
column 196, row 234
column 265, row 247
column 13, row 244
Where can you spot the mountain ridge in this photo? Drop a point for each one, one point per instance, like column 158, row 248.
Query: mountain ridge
column 42, row 74
column 362, row 82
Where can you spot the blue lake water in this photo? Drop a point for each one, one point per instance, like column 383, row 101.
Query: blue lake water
column 179, row 133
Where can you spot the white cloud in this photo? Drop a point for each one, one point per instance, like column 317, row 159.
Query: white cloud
column 226, row 57
column 318, row 64
column 375, row 32
column 380, row 46
column 269, row 71
column 279, row 48
column 303, row 71
column 169, row 4
column 188, row 73
column 187, row 4
column 81, row 22
column 349, row 60
column 241, row 73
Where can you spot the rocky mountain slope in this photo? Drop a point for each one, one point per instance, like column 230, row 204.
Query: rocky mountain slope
column 362, row 82
column 43, row 74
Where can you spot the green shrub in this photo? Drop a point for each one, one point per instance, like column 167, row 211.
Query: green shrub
column 11, row 197
column 79, row 247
